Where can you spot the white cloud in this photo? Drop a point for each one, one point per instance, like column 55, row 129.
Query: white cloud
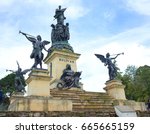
column 75, row 9
column 11, row 42
column 6, row 3
column 75, row 12
column 109, row 15
column 9, row 56
column 95, row 74
column 9, row 35
column 140, row 6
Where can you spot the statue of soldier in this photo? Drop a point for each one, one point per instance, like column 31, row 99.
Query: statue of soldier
column 60, row 32
column 59, row 15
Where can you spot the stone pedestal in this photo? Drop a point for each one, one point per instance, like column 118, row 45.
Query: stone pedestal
column 137, row 106
column 39, row 103
column 115, row 89
column 41, row 81
column 38, row 83
column 57, row 61
column 125, row 111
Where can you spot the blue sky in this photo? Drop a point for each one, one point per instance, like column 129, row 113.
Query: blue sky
column 96, row 26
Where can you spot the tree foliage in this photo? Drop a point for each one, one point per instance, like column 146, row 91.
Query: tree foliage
column 7, row 85
column 137, row 82
column 8, row 82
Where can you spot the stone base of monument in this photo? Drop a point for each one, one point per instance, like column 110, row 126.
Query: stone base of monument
column 125, row 111
column 115, row 89
column 38, row 82
column 57, row 61
column 38, row 103
column 18, row 94
column 137, row 106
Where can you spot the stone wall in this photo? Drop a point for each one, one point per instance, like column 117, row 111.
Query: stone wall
column 39, row 103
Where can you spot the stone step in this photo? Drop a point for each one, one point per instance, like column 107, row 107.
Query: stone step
column 92, row 94
column 100, row 113
column 67, row 97
column 91, row 106
column 84, row 101
column 55, row 91
column 107, row 110
column 78, row 99
column 98, row 100
column 81, row 95
column 92, row 103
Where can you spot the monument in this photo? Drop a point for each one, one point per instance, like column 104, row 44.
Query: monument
column 58, row 88
column 61, row 54
column 113, row 87
column 60, row 32
column 61, row 73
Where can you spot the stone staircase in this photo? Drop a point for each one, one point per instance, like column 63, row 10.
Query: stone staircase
column 84, row 102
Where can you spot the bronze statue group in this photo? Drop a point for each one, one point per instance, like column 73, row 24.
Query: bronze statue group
column 59, row 38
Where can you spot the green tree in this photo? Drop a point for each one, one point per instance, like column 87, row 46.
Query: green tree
column 128, row 80
column 137, row 82
column 142, row 82
column 8, row 82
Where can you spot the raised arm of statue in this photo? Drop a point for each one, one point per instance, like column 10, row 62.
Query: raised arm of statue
column 33, row 40
column 10, row 71
column 29, row 37
column 117, row 55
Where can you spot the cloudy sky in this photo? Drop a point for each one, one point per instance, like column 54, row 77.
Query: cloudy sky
column 96, row 26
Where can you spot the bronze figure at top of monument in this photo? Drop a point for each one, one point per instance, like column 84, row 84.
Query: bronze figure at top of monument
column 60, row 32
